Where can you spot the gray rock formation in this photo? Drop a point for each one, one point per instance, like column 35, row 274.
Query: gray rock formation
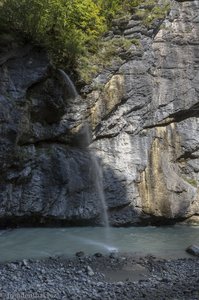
column 145, row 128
column 193, row 250
column 46, row 170
column 146, row 122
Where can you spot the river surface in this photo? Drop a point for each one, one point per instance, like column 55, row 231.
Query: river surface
column 165, row 242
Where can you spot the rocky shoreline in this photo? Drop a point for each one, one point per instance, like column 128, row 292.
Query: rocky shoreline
column 114, row 276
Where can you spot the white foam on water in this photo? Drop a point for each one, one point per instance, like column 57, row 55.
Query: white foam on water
column 102, row 245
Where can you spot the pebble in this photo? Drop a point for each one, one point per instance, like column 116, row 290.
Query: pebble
column 80, row 254
column 193, row 249
column 72, row 279
column 90, row 271
column 98, row 254
column 25, row 262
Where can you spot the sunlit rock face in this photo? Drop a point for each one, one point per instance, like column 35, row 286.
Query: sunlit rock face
column 143, row 112
column 151, row 138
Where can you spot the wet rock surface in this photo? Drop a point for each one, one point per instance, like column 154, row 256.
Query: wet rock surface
column 89, row 277
column 193, row 249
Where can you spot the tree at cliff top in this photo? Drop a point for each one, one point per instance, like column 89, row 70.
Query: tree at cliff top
column 64, row 27
column 69, row 29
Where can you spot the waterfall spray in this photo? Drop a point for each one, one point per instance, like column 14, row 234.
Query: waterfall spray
column 98, row 180
column 97, row 170
column 69, row 84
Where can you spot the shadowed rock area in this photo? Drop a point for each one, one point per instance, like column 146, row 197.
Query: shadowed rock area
column 47, row 173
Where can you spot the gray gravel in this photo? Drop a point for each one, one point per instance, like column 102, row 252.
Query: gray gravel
column 117, row 276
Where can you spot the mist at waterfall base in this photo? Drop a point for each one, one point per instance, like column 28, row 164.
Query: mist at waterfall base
column 163, row 242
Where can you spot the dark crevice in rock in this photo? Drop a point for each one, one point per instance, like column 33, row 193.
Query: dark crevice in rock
column 192, row 112
column 118, row 207
column 107, row 116
column 46, row 143
column 37, row 220
column 135, row 108
column 147, row 220
column 161, row 221
column 184, row 0
column 188, row 155
column 43, row 143
column 105, row 136
column 162, row 124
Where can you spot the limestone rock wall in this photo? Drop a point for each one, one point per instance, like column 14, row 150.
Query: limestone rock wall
column 150, row 139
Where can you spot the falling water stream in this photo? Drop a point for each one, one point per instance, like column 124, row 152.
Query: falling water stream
column 97, row 169
column 98, row 180
column 100, row 189
column 69, row 84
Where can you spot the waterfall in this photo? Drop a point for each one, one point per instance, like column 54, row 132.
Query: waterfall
column 71, row 88
column 98, row 180
column 97, row 170
column 100, row 188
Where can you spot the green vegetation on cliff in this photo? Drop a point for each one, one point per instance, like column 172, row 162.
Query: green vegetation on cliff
column 64, row 27
column 70, row 30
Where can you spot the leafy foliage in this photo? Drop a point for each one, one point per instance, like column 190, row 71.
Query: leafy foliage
column 112, row 8
column 108, row 51
column 151, row 11
column 65, row 27
column 70, row 29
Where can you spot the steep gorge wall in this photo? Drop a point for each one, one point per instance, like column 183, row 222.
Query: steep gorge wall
column 150, row 137
column 45, row 166
column 144, row 115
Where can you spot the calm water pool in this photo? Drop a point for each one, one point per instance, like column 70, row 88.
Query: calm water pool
column 168, row 242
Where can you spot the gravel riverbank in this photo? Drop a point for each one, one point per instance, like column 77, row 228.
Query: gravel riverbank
column 116, row 276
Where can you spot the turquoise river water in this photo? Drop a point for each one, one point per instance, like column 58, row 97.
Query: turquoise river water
column 165, row 242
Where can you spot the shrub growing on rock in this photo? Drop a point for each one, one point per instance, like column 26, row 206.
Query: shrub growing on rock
column 70, row 30
column 65, row 27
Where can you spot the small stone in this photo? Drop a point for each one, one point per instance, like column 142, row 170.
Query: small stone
column 25, row 262
column 166, row 280
column 120, row 283
column 98, row 254
column 89, row 271
column 113, row 255
column 80, row 254
column 193, row 249
column 13, row 266
column 99, row 284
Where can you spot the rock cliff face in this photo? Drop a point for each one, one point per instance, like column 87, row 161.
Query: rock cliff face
column 148, row 134
column 144, row 116
column 45, row 167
